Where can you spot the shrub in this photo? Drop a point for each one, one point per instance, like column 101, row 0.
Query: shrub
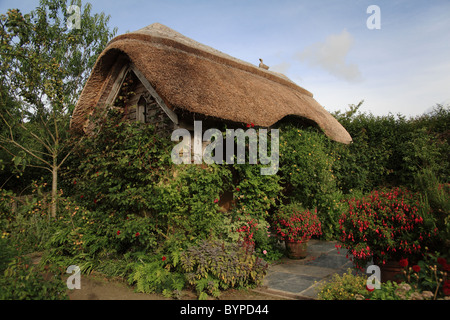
column 435, row 197
column 189, row 203
column 28, row 227
column 305, row 165
column 352, row 286
column 293, row 223
column 390, row 150
column 430, row 274
column 345, row 287
column 255, row 194
column 21, row 280
column 156, row 276
column 385, row 225
column 214, row 265
column 124, row 171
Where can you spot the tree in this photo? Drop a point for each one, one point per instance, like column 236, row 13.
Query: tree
column 45, row 61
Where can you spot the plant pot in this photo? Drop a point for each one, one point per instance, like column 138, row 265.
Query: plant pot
column 296, row 249
column 391, row 270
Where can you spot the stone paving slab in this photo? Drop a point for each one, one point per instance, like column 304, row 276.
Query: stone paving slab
column 300, row 279
column 289, row 282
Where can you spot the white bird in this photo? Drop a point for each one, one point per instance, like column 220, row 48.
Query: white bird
column 262, row 65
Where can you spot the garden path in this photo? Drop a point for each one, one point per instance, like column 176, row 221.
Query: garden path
column 300, row 279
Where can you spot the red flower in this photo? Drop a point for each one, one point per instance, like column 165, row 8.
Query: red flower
column 164, row 258
column 446, row 287
column 252, row 124
column 248, row 125
column 137, row 234
column 416, row 268
column 118, row 232
column 75, row 182
column 403, row 263
column 441, row 261
column 81, row 197
column 216, row 200
column 370, row 288
column 237, row 189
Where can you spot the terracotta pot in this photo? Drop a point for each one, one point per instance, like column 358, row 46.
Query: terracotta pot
column 391, row 270
column 296, row 249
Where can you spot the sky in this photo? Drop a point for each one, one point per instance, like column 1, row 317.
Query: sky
column 329, row 47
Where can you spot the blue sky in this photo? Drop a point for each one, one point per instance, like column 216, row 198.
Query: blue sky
column 323, row 45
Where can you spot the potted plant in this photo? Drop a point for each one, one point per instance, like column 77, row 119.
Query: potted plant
column 296, row 226
column 387, row 227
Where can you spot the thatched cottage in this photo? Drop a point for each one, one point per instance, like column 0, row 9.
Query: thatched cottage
column 162, row 77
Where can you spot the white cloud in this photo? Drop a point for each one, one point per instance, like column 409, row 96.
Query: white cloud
column 331, row 54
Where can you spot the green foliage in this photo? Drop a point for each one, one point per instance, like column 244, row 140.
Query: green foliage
column 352, row 286
column 20, row 280
column 214, row 265
column 188, row 203
column 155, row 276
column 429, row 275
column 435, row 197
column 254, row 193
column 305, row 165
column 125, row 170
column 44, row 66
column 347, row 286
column 390, row 150
column 253, row 233
column 308, row 167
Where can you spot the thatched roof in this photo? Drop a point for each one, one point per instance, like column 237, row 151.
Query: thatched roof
column 191, row 76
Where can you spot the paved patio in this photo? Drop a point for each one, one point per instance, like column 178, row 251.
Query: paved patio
column 299, row 279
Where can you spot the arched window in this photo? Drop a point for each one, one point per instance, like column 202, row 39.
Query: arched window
column 141, row 111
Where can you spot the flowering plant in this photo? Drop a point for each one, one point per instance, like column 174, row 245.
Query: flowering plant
column 431, row 274
column 385, row 225
column 293, row 223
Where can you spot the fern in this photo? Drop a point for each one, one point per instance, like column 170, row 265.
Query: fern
column 152, row 277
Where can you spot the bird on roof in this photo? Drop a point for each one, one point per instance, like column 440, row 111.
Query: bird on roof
column 262, row 65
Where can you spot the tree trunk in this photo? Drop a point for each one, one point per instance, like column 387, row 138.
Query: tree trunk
column 54, row 189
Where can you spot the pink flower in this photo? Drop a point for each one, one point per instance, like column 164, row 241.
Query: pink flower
column 265, row 251
column 216, row 200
